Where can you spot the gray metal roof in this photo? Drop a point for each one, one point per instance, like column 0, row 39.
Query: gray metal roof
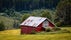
column 33, row 21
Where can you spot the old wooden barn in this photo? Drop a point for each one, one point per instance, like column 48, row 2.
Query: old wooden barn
column 35, row 23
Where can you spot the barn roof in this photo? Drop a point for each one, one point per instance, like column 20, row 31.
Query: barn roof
column 33, row 21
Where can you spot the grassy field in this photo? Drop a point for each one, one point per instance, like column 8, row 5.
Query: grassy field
column 15, row 35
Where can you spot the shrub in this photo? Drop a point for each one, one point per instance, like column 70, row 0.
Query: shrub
column 66, row 31
column 2, row 27
column 58, row 24
column 33, row 32
column 56, row 28
column 48, row 30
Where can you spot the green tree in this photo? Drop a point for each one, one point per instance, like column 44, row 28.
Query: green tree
column 46, row 14
column 25, row 16
column 64, row 12
column 2, row 27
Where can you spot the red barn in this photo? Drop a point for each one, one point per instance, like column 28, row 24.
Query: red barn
column 35, row 23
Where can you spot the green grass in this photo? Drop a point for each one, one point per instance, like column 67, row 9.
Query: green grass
column 64, row 36
column 15, row 35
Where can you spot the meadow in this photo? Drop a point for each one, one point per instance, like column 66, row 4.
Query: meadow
column 15, row 35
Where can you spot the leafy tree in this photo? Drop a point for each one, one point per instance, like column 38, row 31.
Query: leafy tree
column 46, row 14
column 2, row 27
column 25, row 16
column 10, row 12
column 15, row 24
column 64, row 12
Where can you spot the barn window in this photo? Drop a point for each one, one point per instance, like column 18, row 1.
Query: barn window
column 45, row 24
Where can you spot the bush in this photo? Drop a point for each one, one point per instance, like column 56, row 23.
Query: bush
column 33, row 32
column 2, row 27
column 58, row 24
column 66, row 31
column 56, row 29
column 48, row 30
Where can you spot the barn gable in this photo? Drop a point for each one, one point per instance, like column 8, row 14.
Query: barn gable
column 33, row 21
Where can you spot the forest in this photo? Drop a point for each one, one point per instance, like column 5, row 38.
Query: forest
column 20, row 5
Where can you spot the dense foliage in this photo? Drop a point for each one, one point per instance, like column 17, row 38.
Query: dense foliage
column 64, row 12
column 40, row 13
column 19, row 5
column 2, row 26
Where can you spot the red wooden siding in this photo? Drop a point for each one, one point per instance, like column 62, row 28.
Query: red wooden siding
column 26, row 29
column 39, row 28
column 50, row 24
column 29, row 29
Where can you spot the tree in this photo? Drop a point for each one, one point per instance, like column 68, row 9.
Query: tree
column 64, row 12
column 46, row 14
column 15, row 24
column 25, row 16
column 2, row 27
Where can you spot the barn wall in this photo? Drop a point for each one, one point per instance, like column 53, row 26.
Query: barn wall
column 29, row 29
column 39, row 28
column 50, row 24
column 26, row 29
column 47, row 24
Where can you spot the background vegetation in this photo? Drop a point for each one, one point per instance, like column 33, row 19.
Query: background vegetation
column 59, row 13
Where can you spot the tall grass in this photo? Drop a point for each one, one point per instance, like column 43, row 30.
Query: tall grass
column 15, row 35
